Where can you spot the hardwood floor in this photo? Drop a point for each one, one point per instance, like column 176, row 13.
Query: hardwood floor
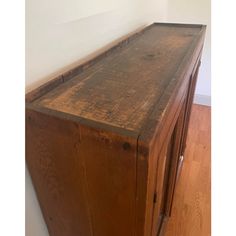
column 191, row 212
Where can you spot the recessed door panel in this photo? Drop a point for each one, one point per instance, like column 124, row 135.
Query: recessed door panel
column 161, row 186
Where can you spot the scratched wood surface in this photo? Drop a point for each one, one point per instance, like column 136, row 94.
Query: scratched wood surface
column 122, row 88
column 95, row 133
column 85, row 179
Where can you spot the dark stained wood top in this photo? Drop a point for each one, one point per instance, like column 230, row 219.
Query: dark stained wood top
column 123, row 88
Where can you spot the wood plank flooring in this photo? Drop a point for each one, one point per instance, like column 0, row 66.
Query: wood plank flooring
column 191, row 213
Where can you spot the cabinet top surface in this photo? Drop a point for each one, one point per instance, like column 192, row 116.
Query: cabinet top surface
column 122, row 88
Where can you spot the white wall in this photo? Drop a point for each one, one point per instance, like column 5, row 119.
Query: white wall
column 59, row 33
column 62, row 33
column 195, row 11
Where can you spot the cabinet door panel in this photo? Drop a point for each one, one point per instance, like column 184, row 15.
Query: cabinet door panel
column 190, row 96
column 179, row 140
column 179, row 137
column 169, row 160
column 166, row 173
column 174, row 160
column 160, row 191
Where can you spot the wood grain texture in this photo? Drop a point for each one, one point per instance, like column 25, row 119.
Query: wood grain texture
column 160, row 188
column 192, row 86
column 85, row 178
column 128, row 73
column 57, row 172
column 175, row 154
column 191, row 213
column 148, row 180
column 103, row 138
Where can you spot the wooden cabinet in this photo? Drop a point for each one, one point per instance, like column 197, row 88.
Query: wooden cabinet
column 104, row 140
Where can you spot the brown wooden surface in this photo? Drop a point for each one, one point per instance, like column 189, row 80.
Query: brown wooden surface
column 180, row 134
column 113, row 91
column 95, row 134
column 193, row 82
column 172, row 93
column 161, row 121
column 58, row 174
column 175, row 154
column 85, row 178
column 191, row 214
column 147, row 182
column 160, row 188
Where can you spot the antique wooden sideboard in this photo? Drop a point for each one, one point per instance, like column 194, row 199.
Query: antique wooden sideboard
column 105, row 140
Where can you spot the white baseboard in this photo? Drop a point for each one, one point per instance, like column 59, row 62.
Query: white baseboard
column 202, row 100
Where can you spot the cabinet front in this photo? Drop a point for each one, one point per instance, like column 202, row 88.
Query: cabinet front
column 161, row 187
column 170, row 159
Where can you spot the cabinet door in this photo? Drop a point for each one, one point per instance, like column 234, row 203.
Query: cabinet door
column 189, row 102
column 169, row 160
column 166, row 175
column 181, row 131
column 161, row 187
column 179, row 141
column 175, row 153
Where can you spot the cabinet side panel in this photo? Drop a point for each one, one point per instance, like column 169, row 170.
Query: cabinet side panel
column 85, row 178
column 109, row 161
column 57, row 173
